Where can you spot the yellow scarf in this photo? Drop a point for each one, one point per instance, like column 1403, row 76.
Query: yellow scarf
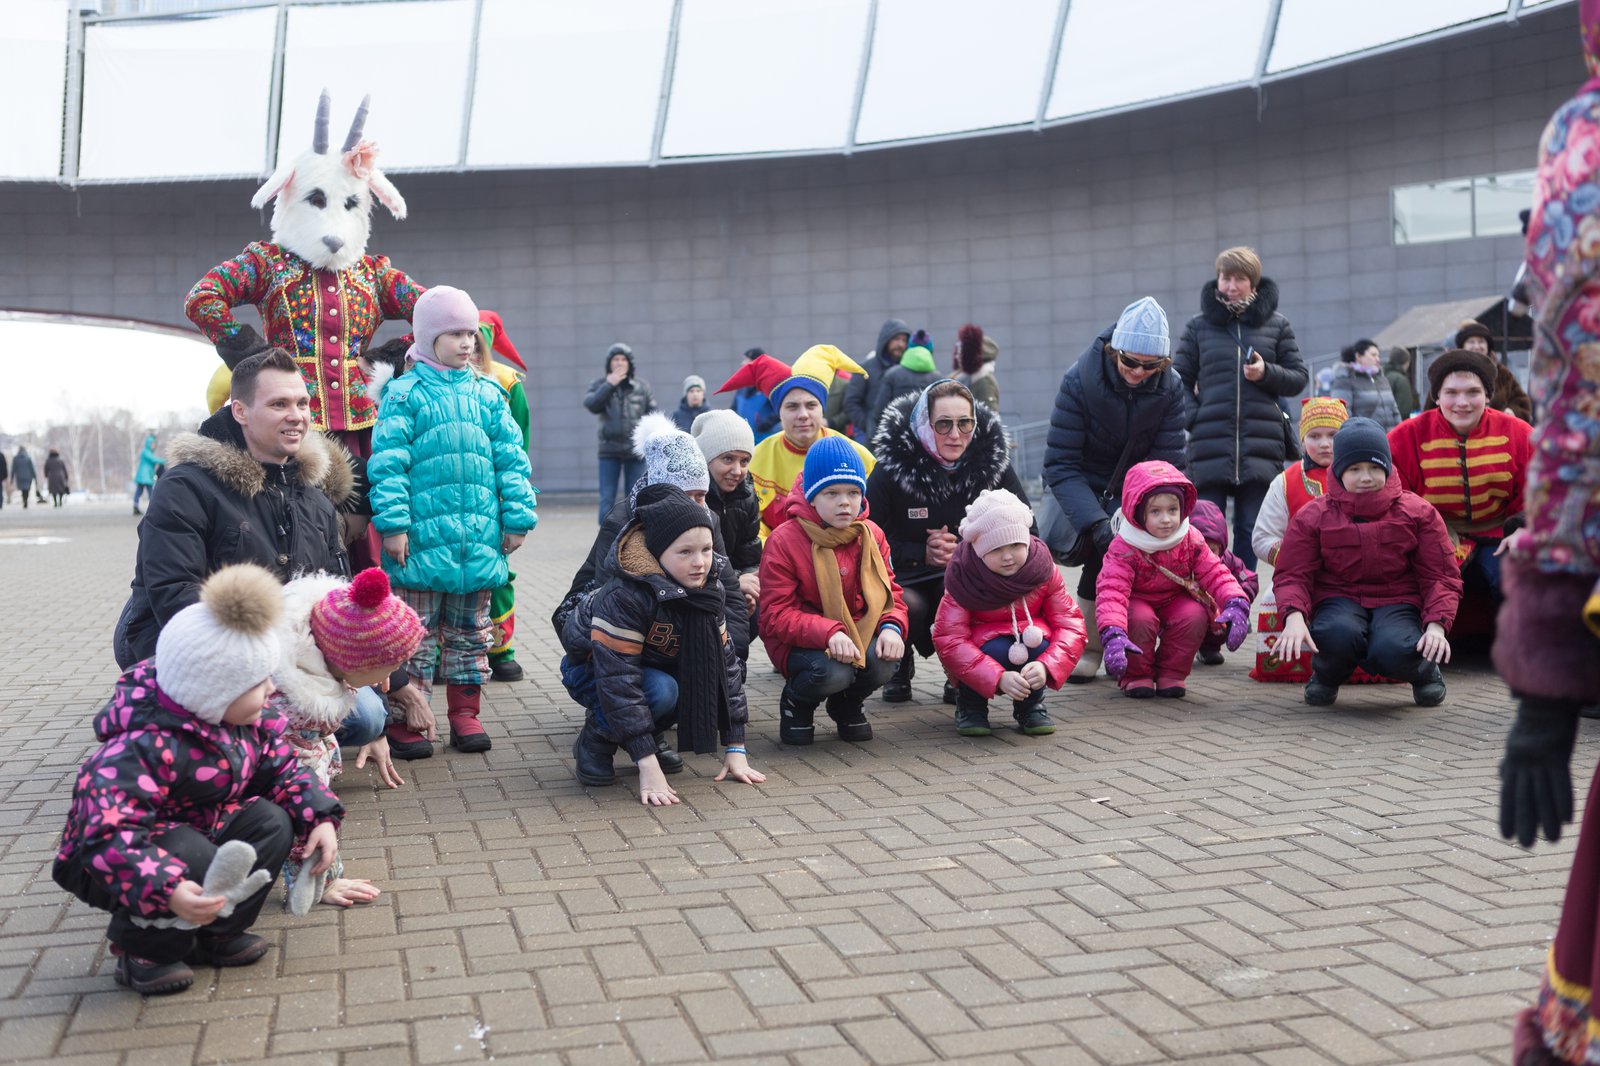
column 876, row 584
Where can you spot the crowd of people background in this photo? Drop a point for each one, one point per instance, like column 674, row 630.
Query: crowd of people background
column 325, row 549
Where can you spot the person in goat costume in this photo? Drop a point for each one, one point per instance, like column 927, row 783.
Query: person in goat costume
column 320, row 295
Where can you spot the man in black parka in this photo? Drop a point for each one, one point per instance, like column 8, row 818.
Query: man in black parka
column 1237, row 357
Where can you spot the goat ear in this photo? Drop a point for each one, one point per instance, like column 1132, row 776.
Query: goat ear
column 386, row 193
column 277, row 183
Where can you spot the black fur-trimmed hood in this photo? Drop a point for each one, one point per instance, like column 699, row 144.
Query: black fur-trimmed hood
column 219, row 449
column 902, row 457
column 1255, row 316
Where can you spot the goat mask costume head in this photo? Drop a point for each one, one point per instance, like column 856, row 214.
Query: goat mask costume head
column 324, row 209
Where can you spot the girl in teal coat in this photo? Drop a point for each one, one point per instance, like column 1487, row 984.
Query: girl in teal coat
column 451, row 496
column 145, row 477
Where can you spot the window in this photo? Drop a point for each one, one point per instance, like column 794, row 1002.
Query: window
column 1458, row 208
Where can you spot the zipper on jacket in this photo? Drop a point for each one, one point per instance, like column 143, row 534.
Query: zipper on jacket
column 1238, row 401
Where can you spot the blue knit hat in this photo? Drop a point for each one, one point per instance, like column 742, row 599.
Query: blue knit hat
column 1360, row 440
column 832, row 461
column 1142, row 329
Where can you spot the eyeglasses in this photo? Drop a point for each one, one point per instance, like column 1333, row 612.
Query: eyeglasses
column 964, row 426
column 1135, row 364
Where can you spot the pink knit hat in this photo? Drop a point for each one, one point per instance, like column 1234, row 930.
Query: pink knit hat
column 362, row 625
column 996, row 518
column 439, row 310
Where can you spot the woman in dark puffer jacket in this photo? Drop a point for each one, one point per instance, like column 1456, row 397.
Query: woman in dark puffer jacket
column 1239, row 355
column 919, row 492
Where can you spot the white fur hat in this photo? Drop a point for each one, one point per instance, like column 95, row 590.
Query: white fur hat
column 723, row 431
column 671, row 456
column 215, row 651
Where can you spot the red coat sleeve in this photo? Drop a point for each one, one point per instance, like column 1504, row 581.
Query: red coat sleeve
column 1299, row 560
column 1067, row 631
column 244, row 279
column 1438, row 574
column 961, row 658
column 786, row 617
column 1406, row 457
column 1115, row 585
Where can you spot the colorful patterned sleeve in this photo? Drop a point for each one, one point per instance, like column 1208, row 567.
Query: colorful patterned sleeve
column 295, row 787
column 397, row 293
column 241, row 280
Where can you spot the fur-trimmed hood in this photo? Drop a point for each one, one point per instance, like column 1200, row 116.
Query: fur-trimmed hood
column 902, row 457
column 1263, row 307
column 316, row 699
column 219, row 448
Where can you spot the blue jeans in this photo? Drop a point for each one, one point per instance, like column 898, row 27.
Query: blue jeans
column 364, row 724
column 629, row 470
column 139, row 491
column 660, row 693
column 813, row 676
column 1383, row 640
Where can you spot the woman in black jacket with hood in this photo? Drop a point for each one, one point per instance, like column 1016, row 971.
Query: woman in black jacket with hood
column 619, row 400
column 1238, row 356
column 1119, row 404
column 930, row 467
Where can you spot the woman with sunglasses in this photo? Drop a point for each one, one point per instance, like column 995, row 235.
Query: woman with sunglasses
column 1119, row 405
column 937, row 450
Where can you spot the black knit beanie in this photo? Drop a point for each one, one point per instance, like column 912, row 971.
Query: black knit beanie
column 666, row 512
column 1360, row 440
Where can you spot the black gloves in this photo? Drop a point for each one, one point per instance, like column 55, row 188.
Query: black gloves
column 1535, row 775
column 1101, row 532
column 241, row 346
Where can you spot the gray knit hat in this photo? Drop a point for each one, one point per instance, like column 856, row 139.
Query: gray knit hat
column 693, row 381
column 1142, row 329
column 671, row 456
column 723, row 431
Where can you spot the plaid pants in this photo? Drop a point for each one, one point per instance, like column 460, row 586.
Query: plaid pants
column 458, row 623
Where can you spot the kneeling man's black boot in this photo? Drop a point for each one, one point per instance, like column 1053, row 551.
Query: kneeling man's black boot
column 593, row 752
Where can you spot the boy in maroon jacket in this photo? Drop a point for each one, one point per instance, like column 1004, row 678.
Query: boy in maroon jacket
column 1371, row 565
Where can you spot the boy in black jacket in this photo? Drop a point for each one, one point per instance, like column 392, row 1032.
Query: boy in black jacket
column 649, row 650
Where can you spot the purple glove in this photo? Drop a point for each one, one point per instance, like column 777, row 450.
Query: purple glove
column 1117, row 647
column 1236, row 616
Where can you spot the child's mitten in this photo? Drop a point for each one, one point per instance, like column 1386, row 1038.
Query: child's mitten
column 229, row 876
column 1117, row 647
column 307, row 887
column 1236, row 616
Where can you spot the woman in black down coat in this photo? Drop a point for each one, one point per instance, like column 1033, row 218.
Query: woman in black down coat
column 1238, row 356
column 936, row 451
column 1119, row 404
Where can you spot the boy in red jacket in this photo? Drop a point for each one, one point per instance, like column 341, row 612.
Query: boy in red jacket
column 998, row 568
column 1371, row 565
column 832, row 616
column 1161, row 588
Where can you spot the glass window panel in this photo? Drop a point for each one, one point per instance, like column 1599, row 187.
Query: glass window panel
column 563, row 83
column 1180, row 48
column 1541, row 3
column 1437, row 211
column 1497, row 199
column 140, row 80
column 942, row 66
column 774, row 76
column 411, row 57
column 1313, row 30
column 33, row 79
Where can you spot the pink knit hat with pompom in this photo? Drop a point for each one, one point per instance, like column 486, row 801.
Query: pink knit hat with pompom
column 363, row 625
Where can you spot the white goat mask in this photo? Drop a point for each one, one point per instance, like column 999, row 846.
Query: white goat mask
column 324, row 208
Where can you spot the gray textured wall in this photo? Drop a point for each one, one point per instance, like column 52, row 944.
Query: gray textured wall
column 1041, row 239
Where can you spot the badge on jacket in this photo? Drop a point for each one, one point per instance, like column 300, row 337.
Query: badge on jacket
column 916, row 512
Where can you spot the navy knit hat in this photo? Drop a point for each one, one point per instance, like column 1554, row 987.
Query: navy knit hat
column 1360, row 440
column 666, row 512
column 832, row 461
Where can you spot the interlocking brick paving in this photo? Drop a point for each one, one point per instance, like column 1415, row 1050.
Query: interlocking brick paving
column 1234, row 878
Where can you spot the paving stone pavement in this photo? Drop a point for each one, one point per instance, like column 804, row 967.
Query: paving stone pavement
column 1234, row 878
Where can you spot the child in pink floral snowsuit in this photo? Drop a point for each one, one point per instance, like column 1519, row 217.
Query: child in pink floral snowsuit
column 1161, row 587
column 186, row 764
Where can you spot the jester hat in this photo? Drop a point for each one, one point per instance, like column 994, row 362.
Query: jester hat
column 813, row 371
column 494, row 335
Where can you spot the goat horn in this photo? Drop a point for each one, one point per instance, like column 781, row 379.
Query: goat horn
column 319, row 135
column 357, row 124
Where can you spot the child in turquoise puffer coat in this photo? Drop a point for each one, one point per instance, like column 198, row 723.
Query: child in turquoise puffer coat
column 451, row 496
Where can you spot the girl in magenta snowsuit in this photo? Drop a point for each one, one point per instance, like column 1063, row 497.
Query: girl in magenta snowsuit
column 187, row 764
column 1161, row 587
column 1213, row 526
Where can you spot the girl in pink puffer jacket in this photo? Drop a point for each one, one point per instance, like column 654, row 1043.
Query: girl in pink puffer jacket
column 1006, row 625
column 1161, row 587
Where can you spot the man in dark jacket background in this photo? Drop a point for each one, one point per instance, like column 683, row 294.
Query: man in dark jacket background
column 1236, row 358
column 619, row 400
column 861, row 397
column 1119, row 404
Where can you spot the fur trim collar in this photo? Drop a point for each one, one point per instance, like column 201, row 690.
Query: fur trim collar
column 321, row 463
column 1255, row 316
column 902, row 457
column 633, row 557
column 317, row 700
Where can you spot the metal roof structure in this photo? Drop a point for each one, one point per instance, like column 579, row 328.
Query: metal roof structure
column 162, row 90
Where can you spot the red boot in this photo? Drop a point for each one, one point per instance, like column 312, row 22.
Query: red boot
column 407, row 743
column 466, row 732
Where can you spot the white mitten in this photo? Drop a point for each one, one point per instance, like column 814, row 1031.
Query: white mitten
column 229, row 876
column 307, row 888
